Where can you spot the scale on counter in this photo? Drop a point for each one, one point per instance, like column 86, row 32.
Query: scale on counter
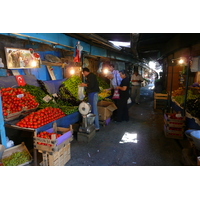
column 87, row 118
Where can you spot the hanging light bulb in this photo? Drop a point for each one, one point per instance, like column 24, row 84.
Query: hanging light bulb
column 105, row 71
column 72, row 71
column 34, row 63
column 181, row 61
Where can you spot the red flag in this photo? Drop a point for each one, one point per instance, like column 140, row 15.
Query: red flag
column 20, row 80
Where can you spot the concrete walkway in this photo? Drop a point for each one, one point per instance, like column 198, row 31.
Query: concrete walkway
column 139, row 142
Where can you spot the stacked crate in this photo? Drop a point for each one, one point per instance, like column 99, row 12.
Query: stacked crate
column 55, row 152
column 174, row 125
column 160, row 100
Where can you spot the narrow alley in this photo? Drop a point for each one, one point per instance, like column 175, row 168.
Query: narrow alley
column 139, row 142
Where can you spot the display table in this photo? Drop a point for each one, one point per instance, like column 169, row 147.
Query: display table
column 61, row 122
column 191, row 122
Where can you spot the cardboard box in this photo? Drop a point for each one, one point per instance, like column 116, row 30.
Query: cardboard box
column 105, row 109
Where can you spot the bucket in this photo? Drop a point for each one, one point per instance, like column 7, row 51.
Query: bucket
column 196, row 138
column 90, row 118
column 188, row 133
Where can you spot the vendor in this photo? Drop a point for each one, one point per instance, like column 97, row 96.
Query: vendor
column 92, row 90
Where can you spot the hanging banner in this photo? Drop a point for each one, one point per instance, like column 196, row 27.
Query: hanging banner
column 20, row 80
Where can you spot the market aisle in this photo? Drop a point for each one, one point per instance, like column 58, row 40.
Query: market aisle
column 139, row 142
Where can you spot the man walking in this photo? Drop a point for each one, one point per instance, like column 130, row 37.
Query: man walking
column 136, row 80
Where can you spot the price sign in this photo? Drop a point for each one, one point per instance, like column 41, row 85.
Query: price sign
column 54, row 95
column 47, row 98
column 20, row 96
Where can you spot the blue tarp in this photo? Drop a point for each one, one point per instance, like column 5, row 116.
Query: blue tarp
column 53, row 86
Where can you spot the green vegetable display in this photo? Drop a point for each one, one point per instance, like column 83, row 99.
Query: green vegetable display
column 102, row 83
column 39, row 94
column 71, row 85
column 65, row 106
column 16, row 158
column 193, row 107
column 180, row 98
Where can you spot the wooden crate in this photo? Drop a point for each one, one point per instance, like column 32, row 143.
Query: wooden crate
column 175, row 134
column 174, row 128
column 53, row 145
column 160, row 100
column 58, row 158
column 176, row 123
column 18, row 148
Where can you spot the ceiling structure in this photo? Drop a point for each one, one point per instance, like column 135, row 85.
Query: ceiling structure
column 142, row 45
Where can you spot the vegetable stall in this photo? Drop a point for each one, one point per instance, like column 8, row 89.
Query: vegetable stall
column 35, row 107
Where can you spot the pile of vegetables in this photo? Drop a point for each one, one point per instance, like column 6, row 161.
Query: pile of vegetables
column 16, row 100
column 46, row 135
column 40, row 117
column 16, row 159
column 179, row 98
column 102, row 83
column 39, row 95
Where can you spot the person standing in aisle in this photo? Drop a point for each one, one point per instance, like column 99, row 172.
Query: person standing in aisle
column 136, row 80
column 122, row 111
column 92, row 90
column 116, row 79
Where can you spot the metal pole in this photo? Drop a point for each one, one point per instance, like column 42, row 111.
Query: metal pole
column 2, row 128
column 186, row 86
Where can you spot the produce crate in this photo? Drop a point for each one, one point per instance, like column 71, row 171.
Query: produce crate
column 104, row 122
column 174, row 127
column 175, row 134
column 178, row 122
column 18, row 148
column 53, row 145
column 160, row 100
column 12, row 116
column 28, row 111
column 58, row 158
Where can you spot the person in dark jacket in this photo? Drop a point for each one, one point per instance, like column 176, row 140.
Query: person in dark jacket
column 92, row 90
column 122, row 111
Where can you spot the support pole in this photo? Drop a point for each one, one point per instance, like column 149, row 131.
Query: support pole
column 186, row 86
column 2, row 128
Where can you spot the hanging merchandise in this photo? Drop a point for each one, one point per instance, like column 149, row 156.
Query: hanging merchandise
column 77, row 52
column 195, row 66
column 1, row 63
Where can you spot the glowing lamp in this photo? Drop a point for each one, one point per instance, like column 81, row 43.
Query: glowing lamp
column 105, row 71
column 34, row 63
column 72, row 71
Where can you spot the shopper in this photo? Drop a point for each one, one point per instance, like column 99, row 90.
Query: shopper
column 122, row 111
column 92, row 90
column 136, row 80
column 116, row 78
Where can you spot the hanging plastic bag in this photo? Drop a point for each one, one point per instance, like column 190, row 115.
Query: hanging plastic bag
column 116, row 94
column 81, row 95
column 129, row 100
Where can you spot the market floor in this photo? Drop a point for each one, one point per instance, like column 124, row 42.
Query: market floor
column 139, row 142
